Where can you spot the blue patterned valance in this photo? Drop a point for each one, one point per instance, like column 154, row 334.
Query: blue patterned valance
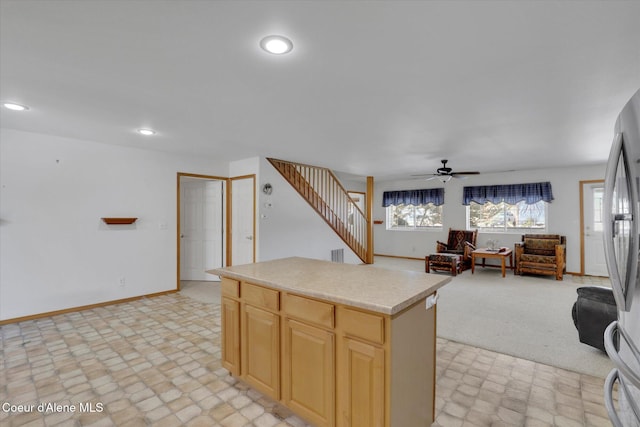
column 413, row 197
column 510, row 194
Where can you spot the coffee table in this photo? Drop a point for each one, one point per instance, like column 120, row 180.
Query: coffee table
column 485, row 253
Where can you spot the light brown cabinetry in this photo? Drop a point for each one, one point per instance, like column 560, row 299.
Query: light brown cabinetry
column 308, row 372
column 361, row 369
column 308, row 359
column 331, row 363
column 230, row 318
column 261, row 350
column 260, row 341
column 361, row 398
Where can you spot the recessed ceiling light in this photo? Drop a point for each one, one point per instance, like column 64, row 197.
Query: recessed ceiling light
column 146, row 132
column 278, row 45
column 15, row 107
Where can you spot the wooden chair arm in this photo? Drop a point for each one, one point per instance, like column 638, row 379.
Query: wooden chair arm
column 518, row 249
column 561, row 251
column 468, row 248
column 560, row 260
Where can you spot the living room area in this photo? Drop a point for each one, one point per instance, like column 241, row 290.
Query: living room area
column 527, row 316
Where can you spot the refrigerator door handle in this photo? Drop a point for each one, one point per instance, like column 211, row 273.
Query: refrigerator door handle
column 608, row 398
column 609, row 220
column 615, row 356
column 620, row 285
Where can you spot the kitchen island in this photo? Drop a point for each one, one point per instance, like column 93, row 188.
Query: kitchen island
column 338, row 344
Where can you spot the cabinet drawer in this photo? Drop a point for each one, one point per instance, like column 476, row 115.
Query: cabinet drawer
column 310, row 310
column 261, row 297
column 230, row 287
column 363, row 325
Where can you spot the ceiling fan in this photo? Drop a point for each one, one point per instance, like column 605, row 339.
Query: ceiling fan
column 445, row 173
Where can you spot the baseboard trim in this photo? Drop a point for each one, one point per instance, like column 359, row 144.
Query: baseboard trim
column 401, row 257
column 83, row 307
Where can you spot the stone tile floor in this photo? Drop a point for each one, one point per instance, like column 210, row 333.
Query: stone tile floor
column 156, row 362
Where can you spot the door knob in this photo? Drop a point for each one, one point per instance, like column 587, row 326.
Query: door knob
column 249, row 237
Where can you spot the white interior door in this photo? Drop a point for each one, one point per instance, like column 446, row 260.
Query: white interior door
column 242, row 221
column 201, row 228
column 594, row 260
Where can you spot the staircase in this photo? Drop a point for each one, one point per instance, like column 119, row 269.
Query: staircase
column 322, row 190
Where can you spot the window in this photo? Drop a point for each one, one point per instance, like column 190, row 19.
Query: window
column 410, row 217
column 414, row 209
column 598, row 196
column 508, row 208
column 504, row 217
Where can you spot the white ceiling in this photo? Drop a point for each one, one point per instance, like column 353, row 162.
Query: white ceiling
column 382, row 88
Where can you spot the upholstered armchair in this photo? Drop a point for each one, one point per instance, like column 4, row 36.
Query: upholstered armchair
column 459, row 242
column 541, row 254
column 592, row 312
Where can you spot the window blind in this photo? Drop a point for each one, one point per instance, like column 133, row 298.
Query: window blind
column 511, row 194
column 413, row 197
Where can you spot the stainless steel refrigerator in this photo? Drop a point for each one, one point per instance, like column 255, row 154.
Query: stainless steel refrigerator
column 622, row 240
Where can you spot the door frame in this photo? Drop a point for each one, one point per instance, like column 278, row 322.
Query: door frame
column 582, row 188
column 179, row 212
column 229, row 257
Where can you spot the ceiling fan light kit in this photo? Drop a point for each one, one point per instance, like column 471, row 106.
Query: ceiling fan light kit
column 444, row 173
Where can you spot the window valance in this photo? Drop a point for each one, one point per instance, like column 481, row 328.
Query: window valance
column 413, row 197
column 511, row 194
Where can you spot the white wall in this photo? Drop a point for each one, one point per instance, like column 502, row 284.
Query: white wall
column 55, row 252
column 563, row 212
column 290, row 227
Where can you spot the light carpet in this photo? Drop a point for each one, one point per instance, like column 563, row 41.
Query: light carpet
column 523, row 316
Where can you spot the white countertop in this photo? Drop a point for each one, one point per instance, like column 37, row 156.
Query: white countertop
column 372, row 288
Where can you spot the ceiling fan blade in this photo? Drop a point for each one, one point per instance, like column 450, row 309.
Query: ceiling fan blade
column 465, row 173
column 424, row 174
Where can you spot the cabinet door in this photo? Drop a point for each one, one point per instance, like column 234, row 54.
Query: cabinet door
column 230, row 316
column 308, row 377
column 261, row 350
column 361, row 377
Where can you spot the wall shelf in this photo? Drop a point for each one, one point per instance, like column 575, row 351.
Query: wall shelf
column 119, row 221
